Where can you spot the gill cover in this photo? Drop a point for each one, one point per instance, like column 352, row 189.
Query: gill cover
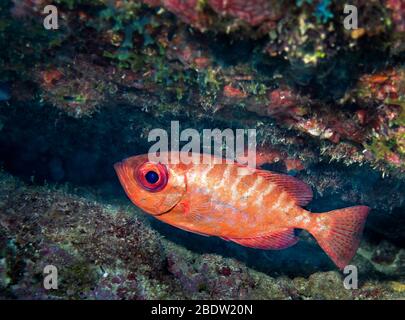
column 154, row 187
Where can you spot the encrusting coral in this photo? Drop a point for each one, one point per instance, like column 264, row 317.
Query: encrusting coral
column 110, row 252
column 328, row 105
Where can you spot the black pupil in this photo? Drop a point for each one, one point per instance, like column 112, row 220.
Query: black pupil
column 152, row 177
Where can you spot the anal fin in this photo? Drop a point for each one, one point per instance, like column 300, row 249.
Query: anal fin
column 276, row 240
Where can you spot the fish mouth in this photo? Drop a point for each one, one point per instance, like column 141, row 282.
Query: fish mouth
column 123, row 173
column 119, row 168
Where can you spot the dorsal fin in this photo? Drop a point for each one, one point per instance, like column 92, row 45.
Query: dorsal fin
column 276, row 240
column 297, row 189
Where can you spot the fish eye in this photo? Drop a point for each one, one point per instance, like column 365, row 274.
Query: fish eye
column 151, row 176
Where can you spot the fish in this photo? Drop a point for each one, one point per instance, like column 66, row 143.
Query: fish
column 262, row 209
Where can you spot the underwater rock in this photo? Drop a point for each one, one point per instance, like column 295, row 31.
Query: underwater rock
column 139, row 65
column 254, row 12
column 94, row 248
column 398, row 12
column 107, row 252
column 381, row 95
column 327, row 104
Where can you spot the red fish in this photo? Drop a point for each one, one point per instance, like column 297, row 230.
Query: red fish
column 258, row 210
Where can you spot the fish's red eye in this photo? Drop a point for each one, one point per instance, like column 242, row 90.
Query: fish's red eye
column 152, row 176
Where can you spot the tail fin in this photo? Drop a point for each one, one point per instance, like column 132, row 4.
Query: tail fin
column 338, row 232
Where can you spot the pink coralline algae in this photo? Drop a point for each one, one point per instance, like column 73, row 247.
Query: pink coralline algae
column 187, row 11
column 232, row 92
column 51, row 76
column 190, row 54
column 24, row 8
column 211, row 275
column 327, row 104
column 381, row 86
column 253, row 12
column 283, row 103
column 398, row 13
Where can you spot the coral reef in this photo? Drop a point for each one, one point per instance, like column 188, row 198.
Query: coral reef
column 110, row 252
column 127, row 52
column 100, row 252
column 328, row 105
column 398, row 10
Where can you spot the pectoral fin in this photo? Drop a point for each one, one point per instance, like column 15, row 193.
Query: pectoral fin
column 196, row 207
